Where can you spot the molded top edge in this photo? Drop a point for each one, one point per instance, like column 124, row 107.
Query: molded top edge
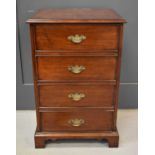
column 76, row 15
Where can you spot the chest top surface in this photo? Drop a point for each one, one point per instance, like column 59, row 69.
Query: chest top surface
column 76, row 15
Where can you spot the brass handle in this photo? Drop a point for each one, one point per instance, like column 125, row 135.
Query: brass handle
column 76, row 96
column 76, row 122
column 76, row 69
column 76, row 38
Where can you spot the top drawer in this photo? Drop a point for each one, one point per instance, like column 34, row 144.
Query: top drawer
column 71, row 37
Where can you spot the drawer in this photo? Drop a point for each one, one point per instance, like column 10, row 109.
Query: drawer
column 72, row 37
column 77, row 120
column 76, row 95
column 76, row 68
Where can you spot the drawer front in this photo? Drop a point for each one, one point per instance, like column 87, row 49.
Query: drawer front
column 89, row 37
column 77, row 120
column 76, row 95
column 76, row 68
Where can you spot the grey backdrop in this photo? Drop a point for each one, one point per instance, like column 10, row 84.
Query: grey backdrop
column 126, row 8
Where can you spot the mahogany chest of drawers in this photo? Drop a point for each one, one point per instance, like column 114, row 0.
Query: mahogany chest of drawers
column 76, row 57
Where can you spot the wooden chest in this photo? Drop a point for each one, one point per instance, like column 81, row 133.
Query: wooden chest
column 76, row 57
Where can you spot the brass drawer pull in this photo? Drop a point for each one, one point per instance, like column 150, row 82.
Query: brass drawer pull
column 76, row 38
column 76, row 122
column 76, row 69
column 76, row 96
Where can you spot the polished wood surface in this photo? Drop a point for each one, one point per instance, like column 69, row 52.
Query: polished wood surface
column 59, row 121
column 76, row 15
column 56, row 68
column 42, row 137
column 96, row 95
column 99, row 54
column 98, row 37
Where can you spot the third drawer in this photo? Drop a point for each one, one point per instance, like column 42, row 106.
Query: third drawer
column 77, row 95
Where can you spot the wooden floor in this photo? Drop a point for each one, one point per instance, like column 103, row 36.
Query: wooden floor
column 127, row 127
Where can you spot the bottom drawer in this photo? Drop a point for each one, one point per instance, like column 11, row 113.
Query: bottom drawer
column 77, row 120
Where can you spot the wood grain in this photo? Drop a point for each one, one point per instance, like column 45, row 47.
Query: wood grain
column 98, row 37
column 56, row 68
column 100, row 95
column 100, row 53
column 58, row 121
column 76, row 15
column 111, row 137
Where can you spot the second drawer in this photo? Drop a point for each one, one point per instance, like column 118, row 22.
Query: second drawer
column 76, row 95
column 76, row 68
